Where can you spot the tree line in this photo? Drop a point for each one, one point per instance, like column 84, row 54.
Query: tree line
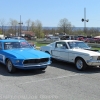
column 63, row 27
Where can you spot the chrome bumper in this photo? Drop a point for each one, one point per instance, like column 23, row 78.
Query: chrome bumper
column 93, row 63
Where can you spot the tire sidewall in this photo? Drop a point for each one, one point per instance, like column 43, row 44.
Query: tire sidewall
column 83, row 62
column 10, row 68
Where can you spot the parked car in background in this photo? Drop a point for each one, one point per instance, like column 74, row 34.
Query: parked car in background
column 90, row 40
column 18, row 37
column 52, row 38
column 67, row 37
column 74, row 51
column 78, row 37
column 97, row 40
column 16, row 53
column 14, row 37
column 2, row 36
column 7, row 37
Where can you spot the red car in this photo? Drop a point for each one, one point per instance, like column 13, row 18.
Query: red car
column 97, row 40
column 90, row 40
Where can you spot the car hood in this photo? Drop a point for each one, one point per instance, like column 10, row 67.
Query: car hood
column 27, row 53
column 91, row 53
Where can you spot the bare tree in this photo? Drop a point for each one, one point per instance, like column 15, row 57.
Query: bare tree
column 15, row 23
column 93, row 31
column 39, row 30
column 65, row 26
column 32, row 27
column 2, row 22
column 14, row 26
column 28, row 22
column 79, row 32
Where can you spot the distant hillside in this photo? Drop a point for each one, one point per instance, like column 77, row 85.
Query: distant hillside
column 25, row 27
column 48, row 28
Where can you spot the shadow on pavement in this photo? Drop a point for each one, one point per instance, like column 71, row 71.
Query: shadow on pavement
column 19, row 72
column 71, row 67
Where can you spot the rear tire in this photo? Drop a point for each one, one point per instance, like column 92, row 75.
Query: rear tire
column 80, row 64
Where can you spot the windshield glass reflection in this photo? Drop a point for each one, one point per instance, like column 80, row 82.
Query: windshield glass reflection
column 81, row 45
column 15, row 45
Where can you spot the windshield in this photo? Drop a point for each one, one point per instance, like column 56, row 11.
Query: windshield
column 14, row 45
column 78, row 45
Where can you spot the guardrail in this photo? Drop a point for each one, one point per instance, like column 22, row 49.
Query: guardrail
column 45, row 42
column 94, row 45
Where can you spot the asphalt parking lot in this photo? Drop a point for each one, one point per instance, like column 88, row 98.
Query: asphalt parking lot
column 60, row 81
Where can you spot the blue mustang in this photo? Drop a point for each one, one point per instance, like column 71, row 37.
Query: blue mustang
column 20, row 54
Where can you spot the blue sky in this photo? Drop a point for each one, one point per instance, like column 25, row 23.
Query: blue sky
column 50, row 12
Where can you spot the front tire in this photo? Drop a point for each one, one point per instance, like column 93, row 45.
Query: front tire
column 10, row 66
column 80, row 64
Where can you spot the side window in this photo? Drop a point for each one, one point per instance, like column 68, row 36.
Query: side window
column 0, row 46
column 61, row 45
column 58, row 45
column 64, row 45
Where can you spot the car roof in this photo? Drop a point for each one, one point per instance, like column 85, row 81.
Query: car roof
column 11, row 40
column 69, row 41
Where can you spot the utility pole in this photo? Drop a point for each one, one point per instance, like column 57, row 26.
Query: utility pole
column 84, row 20
column 20, row 26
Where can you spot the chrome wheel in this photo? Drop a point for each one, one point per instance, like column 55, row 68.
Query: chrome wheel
column 80, row 64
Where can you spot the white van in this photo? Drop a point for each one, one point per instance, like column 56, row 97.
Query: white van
column 2, row 37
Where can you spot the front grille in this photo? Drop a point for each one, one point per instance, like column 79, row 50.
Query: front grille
column 35, row 61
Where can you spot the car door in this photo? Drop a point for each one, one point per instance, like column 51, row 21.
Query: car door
column 1, row 55
column 55, row 51
column 61, row 51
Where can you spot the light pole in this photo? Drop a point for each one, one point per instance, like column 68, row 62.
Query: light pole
column 20, row 25
column 84, row 20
